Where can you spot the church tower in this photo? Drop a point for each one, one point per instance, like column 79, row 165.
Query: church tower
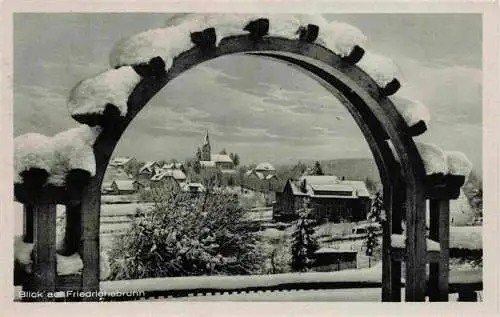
column 205, row 148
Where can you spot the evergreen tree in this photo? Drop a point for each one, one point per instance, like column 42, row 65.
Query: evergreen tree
column 235, row 158
column 304, row 242
column 198, row 155
column 316, row 170
column 197, row 167
column 375, row 216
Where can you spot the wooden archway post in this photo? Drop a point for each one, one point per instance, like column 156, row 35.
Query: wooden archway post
column 376, row 115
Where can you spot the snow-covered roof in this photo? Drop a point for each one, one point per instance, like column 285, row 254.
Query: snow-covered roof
column 359, row 186
column 228, row 171
column 332, row 250
column 207, row 163
column 265, row 167
column 172, row 166
column 320, row 179
column 220, row 158
column 65, row 151
column 198, row 187
column 176, row 174
column 148, row 167
column 120, row 161
column 124, row 184
column 171, row 41
column 114, row 86
column 326, row 186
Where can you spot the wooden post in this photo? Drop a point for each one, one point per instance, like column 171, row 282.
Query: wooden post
column 44, row 252
column 89, row 248
column 72, row 234
column 387, row 286
column 416, row 248
column 399, row 208
column 439, row 230
column 28, row 223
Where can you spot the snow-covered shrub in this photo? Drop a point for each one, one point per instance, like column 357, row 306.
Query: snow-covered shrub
column 184, row 235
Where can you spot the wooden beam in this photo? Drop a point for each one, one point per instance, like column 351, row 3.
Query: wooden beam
column 257, row 28
column 355, row 56
column 309, row 33
column 205, row 39
column 28, row 214
column 44, row 251
column 72, row 235
column 439, row 230
column 391, row 88
column 89, row 247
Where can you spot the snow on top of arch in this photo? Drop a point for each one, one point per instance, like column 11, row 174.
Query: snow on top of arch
column 433, row 157
column 458, row 163
column 411, row 110
column 113, row 86
column 31, row 150
column 68, row 150
column 382, row 69
column 174, row 39
column 72, row 149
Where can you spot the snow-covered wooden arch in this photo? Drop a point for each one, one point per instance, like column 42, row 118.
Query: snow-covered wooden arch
column 69, row 168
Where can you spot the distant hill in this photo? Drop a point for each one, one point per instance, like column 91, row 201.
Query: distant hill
column 353, row 168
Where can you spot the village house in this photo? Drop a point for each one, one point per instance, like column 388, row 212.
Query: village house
column 263, row 179
column 122, row 162
column 194, row 188
column 332, row 199
column 329, row 259
column 122, row 187
column 165, row 178
column 147, row 171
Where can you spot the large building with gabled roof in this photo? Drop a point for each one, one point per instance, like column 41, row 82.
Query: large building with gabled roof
column 331, row 198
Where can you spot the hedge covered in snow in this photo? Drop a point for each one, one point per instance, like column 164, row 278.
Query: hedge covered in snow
column 92, row 95
column 66, row 151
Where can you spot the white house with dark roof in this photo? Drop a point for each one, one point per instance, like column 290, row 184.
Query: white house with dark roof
column 330, row 198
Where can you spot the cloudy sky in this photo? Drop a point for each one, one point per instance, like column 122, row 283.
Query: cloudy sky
column 260, row 109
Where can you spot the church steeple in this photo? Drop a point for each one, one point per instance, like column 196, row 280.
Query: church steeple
column 205, row 148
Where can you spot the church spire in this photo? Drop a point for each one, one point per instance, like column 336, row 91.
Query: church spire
column 205, row 148
column 206, row 140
